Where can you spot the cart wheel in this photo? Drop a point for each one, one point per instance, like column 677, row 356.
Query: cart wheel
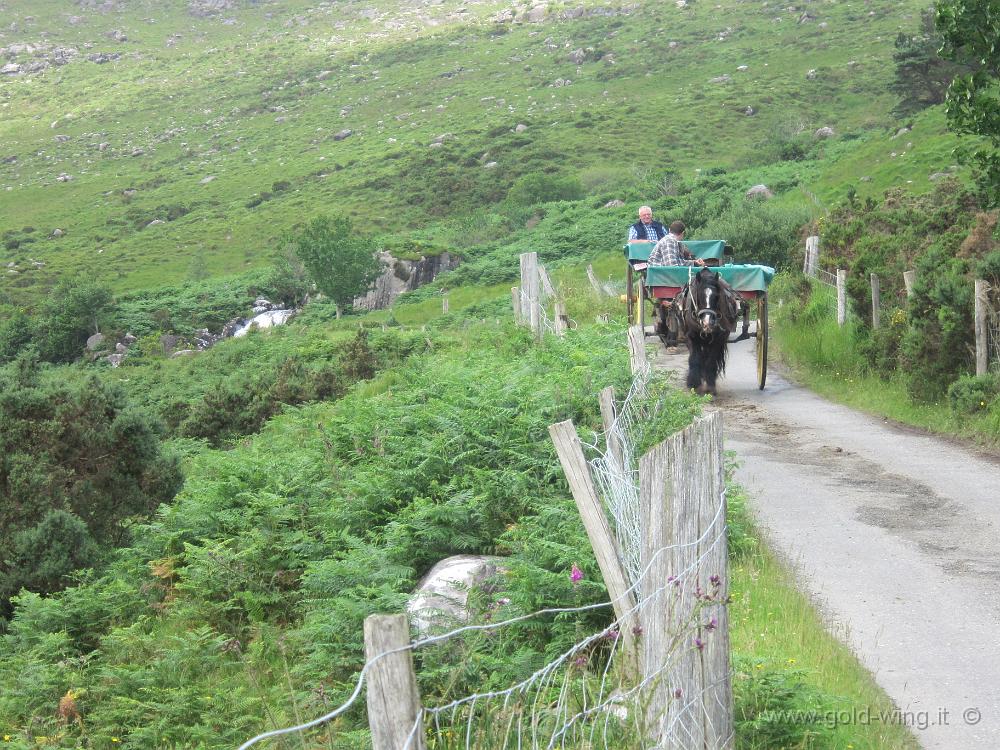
column 761, row 340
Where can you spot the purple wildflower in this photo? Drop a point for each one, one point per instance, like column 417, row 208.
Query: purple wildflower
column 575, row 574
column 699, row 644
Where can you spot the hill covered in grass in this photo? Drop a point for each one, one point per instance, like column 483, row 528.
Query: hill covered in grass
column 150, row 142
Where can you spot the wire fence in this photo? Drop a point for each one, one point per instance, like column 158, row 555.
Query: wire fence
column 608, row 690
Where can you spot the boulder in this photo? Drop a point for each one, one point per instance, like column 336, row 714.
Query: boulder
column 520, row 127
column 345, row 133
column 115, row 359
column 57, row 233
column 577, row 56
column 169, row 342
column 95, row 341
column 537, row 14
column 441, row 598
column 10, row 69
column 811, row 75
column 721, row 79
column 616, row 203
column 490, row 165
column 759, row 192
column 183, row 353
column 825, row 132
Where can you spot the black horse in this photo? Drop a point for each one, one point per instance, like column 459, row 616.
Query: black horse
column 709, row 311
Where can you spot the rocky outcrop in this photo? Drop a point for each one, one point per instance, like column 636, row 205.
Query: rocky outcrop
column 401, row 276
column 441, row 598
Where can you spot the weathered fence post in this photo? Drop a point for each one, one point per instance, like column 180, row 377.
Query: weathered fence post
column 559, row 311
column 547, row 289
column 593, row 280
column 595, row 520
column 393, row 699
column 908, row 277
column 530, row 304
column 841, row 297
column 637, row 350
column 684, row 616
column 608, row 415
column 876, row 302
column 515, row 301
column 812, row 256
column 982, row 329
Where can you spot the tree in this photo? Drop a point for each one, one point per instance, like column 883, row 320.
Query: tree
column 969, row 30
column 922, row 75
column 67, row 317
column 341, row 264
column 77, row 463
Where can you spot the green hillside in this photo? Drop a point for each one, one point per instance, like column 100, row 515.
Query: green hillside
column 158, row 137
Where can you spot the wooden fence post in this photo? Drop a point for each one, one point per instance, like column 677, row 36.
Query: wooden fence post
column 876, row 302
column 595, row 520
column 812, row 256
column 908, row 277
column 530, row 304
column 559, row 311
column 393, row 699
column 593, row 280
column 841, row 297
column 684, row 617
column 547, row 289
column 637, row 350
column 608, row 415
column 982, row 328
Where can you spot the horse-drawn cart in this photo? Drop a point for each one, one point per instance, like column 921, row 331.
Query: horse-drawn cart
column 663, row 286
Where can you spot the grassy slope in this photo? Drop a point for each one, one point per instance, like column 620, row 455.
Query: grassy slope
column 197, row 94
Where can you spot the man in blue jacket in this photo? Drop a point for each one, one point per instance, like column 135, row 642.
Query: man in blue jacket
column 646, row 228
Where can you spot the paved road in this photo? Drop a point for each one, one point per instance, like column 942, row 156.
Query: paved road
column 895, row 535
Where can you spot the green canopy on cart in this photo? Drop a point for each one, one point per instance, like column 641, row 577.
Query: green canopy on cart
column 740, row 278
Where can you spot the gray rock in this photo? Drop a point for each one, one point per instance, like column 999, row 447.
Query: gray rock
column 749, row 111
column 323, row 75
column 115, row 359
column 155, row 222
column 183, row 353
column 444, row 137
column 573, row 13
column 61, row 138
column 721, row 79
column 57, row 233
column 103, row 146
column 811, row 75
column 117, row 35
column 345, row 133
column 577, row 56
column 902, row 131
column 520, row 127
column 742, row 68
column 616, row 203
column 938, row 176
column 95, row 341
column 759, row 192
column 537, row 14
column 169, row 342
column 120, row 348
column 865, row 178
column 129, row 338
column 10, row 69
column 490, row 165
column 104, row 57
column 825, row 132
column 64, row 177
column 206, row 180
column 441, row 598
column 138, row 152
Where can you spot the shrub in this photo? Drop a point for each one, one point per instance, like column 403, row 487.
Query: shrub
column 972, row 394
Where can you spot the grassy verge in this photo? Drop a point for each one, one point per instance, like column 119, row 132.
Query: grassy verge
column 824, row 357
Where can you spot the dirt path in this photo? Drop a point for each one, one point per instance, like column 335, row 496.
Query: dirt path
column 895, row 535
